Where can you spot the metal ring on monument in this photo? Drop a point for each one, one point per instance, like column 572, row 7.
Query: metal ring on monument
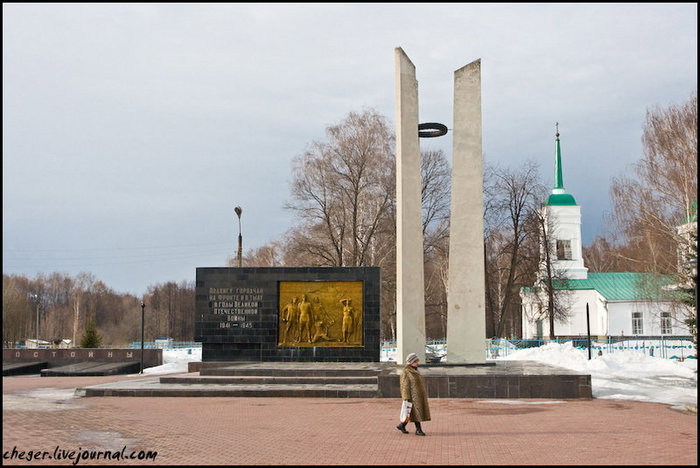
column 431, row 130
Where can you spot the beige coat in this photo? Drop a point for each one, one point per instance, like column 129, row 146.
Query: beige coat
column 413, row 390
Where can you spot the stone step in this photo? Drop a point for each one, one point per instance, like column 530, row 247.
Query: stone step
column 287, row 372
column 195, row 378
column 154, row 388
column 502, row 379
column 92, row 368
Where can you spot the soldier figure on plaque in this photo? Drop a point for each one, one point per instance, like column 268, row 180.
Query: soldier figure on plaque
column 323, row 321
column 306, row 318
column 289, row 317
column 347, row 319
column 321, row 331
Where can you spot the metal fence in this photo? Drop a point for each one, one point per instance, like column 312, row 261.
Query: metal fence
column 163, row 344
column 166, row 345
column 663, row 347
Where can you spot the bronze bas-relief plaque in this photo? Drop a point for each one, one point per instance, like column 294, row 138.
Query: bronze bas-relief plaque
column 320, row 313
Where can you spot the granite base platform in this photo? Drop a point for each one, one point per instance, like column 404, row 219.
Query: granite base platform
column 505, row 379
column 92, row 369
column 23, row 368
column 500, row 379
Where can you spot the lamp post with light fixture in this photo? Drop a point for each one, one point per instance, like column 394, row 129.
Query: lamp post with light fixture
column 143, row 308
column 36, row 296
column 238, row 211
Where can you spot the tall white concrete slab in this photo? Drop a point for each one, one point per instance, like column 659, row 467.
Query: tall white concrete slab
column 466, row 291
column 410, row 301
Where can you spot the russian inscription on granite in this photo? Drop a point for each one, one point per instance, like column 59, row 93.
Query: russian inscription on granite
column 236, row 307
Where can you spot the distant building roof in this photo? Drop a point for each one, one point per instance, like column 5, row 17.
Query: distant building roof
column 621, row 286
column 41, row 342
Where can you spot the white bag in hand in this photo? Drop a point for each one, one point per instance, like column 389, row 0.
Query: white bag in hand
column 405, row 411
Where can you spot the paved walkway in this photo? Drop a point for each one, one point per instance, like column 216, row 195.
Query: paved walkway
column 40, row 414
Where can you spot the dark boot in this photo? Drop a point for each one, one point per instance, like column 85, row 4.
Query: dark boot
column 419, row 431
column 402, row 427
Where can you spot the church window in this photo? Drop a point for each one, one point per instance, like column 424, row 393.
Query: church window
column 637, row 323
column 666, row 323
column 564, row 249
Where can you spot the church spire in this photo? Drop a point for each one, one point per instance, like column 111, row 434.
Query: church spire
column 558, row 178
column 559, row 196
column 564, row 215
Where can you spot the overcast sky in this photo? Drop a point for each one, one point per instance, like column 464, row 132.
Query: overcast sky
column 130, row 131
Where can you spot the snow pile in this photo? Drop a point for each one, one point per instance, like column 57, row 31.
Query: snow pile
column 623, row 375
column 630, row 363
column 175, row 361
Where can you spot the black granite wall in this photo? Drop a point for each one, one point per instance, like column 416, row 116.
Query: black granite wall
column 249, row 330
column 61, row 357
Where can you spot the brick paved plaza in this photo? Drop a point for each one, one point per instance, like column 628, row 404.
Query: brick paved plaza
column 40, row 414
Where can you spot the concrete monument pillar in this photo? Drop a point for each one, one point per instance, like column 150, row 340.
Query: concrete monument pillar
column 410, row 301
column 466, row 291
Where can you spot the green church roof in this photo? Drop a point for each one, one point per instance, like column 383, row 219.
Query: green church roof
column 620, row 286
column 560, row 199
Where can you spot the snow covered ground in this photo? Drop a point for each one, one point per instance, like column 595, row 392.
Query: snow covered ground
column 175, row 360
column 623, row 375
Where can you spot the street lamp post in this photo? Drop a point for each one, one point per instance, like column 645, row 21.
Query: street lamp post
column 143, row 307
column 588, row 328
column 238, row 211
column 36, row 296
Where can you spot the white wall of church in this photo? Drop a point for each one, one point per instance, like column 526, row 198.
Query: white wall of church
column 613, row 318
column 607, row 318
column 649, row 320
column 576, row 324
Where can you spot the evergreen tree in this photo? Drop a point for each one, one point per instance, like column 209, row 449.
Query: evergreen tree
column 689, row 290
column 91, row 338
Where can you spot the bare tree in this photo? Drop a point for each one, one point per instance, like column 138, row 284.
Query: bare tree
column 600, row 256
column 82, row 284
column 171, row 310
column 654, row 206
column 345, row 196
column 512, row 199
column 58, row 317
column 658, row 194
column 65, row 303
column 435, row 200
column 16, row 310
column 268, row 255
column 341, row 193
column 435, row 197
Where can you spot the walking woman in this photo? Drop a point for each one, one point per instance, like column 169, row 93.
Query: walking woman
column 413, row 390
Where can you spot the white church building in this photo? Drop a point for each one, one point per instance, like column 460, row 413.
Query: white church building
column 619, row 304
